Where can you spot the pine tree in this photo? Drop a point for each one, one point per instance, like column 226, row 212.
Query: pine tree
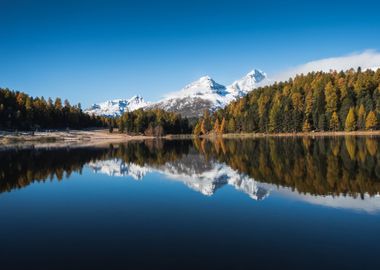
column 121, row 126
column 222, row 126
column 350, row 124
column 331, row 98
column 206, row 122
column 306, row 126
column 216, row 127
column 371, row 121
column 334, row 122
column 274, row 117
column 361, row 117
column 231, row 126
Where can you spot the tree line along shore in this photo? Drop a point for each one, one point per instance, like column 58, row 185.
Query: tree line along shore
column 323, row 103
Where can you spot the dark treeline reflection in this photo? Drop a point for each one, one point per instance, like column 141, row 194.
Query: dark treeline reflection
column 20, row 167
column 322, row 166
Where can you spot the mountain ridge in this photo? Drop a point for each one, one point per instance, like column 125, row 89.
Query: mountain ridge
column 190, row 101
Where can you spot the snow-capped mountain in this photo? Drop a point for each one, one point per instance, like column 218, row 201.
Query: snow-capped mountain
column 252, row 80
column 117, row 107
column 194, row 98
column 205, row 93
column 190, row 101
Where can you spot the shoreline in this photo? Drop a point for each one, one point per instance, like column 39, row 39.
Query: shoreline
column 82, row 137
column 300, row 134
column 99, row 136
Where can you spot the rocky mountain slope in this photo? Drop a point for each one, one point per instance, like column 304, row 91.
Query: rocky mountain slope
column 190, row 101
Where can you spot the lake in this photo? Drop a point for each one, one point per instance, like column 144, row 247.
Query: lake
column 300, row 203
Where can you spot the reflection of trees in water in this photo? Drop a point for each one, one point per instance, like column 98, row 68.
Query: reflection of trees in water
column 320, row 166
column 323, row 166
column 21, row 167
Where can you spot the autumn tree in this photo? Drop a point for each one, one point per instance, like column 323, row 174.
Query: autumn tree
column 350, row 123
column 334, row 122
column 361, row 117
column 216, row 127
column 306, row 126
column 222, row 126
column 371, row 121
column 231, row 126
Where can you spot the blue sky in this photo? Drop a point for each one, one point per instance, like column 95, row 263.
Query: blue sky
column 90, row 51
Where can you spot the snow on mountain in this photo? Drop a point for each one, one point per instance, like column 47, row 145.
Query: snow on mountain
column 252, row 80
column 192, row 100
column 205, row 93
column 205, row 87
column 117, row 107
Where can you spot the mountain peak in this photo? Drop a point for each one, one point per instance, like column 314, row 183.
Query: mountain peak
column 205, row 78
column 247, row 83
column 191, row 100
column 205, row 81
column 117, row 107
column 257, row 74
column 203, row 86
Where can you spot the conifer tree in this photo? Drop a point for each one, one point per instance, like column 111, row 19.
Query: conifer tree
column 361, row 117
column 334, row 122
column 306, row 126
column 371, row 121
column 222, row 126
column 350, row 124
column 121, row 127
column 231, row 126
column 216, row 127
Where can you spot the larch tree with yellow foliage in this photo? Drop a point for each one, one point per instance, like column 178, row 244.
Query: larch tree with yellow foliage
column 350, row 124
column 371, row 121
column 361, row 117
column 334, row 122
column 222, row 126
column 216, row 127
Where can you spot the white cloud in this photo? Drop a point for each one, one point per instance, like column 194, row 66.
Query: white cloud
column 368, row 59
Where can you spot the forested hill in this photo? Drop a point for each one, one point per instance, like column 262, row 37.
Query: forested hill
column 317, row 101
column 23, row 112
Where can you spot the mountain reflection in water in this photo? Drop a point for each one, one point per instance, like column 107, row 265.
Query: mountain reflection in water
column 336, row 172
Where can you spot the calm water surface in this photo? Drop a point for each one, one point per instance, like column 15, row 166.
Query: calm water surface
column 234, row 204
